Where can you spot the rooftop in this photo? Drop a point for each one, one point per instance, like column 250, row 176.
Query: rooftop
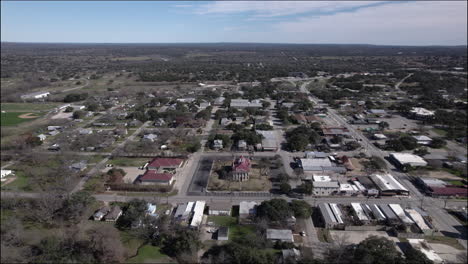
column 151, row 175
column 165, row 162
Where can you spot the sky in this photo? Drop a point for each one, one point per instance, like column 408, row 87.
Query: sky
column 316, row 22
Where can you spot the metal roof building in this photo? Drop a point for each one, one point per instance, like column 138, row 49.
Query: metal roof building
column 378, row 214
column 284, row 235
column 401, row 213
column 419, row 220
column 197, row 214
column 388, row 185
column 327, row 215
column 392, row 218
column 407, row 158
column 337, row 212
column 359, row 212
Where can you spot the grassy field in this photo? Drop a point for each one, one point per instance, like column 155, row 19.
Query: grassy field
column 129, row 162
column 457, row 183
column 20, row 184
column 236, row 231
column 12, row 118
column 150, row 254
column 28, row 107
column 440, row 132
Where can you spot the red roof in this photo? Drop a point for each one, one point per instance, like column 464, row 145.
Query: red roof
column 449, row 191
column 152, row 175
column 165, row 162
column 241, row 164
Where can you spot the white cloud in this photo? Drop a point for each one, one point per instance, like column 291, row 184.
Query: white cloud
column 183, row 6
column 422, row 22
column 278, row 8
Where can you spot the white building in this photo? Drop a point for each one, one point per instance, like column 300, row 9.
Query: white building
column 325, row 188
column 220, row 208
column 407, row 158
column 36, row 95
column 423, row 140
column 42, row 137
column 197, row 218
column 247, row 209
column 421, row 113
column 5, row 173
column 283, row 235
column 388, row 185
column 243, row 103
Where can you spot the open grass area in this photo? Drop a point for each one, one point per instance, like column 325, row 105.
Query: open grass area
column 150, row 254
column 13, row 118
column 128, row 162
column 236, row 231
column 28, row 107
column 449, row 241
column 440, row 132
column 456, row 183
column 20, row 184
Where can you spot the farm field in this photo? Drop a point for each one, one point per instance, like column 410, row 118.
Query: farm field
column 28, row 107
column 15, row 118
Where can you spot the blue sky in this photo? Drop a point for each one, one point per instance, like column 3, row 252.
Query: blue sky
column 371, row 22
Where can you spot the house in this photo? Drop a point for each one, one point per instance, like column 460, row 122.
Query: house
column 54, row 132
column 217, row 144
column 204, row 105
column 423, row 140
column 325, row 187
column 150, row 137
column 421, row 113
column 183, row 211
column 300, row 118
column 246, row 211
column 283, row 235
column 328, row 217
column 379, row 137
column 5, row 173
column 52, row 128
column 42, row 137
column 36, row 95
column 427, row 183
column 315, row 155
column 161, row 164
column 225, row 121
column 159, row 122
column 85, row 131
column 99, row 214
column 219, row 101
column 114, row 214
column 242, row 145
column 243, row 103
column 151, row 210
column 223, row 233
column 220, row 208
column 240, row 169
column 377, row 112
column 402, row 159
column 154, row 177
column 79, row 166
column 290, row 255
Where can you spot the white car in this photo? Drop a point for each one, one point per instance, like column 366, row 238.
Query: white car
column 302, row 233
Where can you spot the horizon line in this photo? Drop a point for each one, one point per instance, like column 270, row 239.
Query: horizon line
column 274, row 43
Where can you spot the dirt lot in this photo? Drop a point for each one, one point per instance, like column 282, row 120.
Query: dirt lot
column 354, row 237
column 62, row 114
column 131, row 173
column 256, row 181
column 435, row 174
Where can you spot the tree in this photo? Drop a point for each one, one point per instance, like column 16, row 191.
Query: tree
column 438, row 143
column 414, row 256
column 69, row 109
column 78, row 114
column 106, row 244
column 421, row 151
column 378, row 250
column 283, row 177
column 276, row 210
column 264, row 165
column 116, row 175
column 265, row 104
column 193, row 146
column 237, row 253
column 133, row 211
column 76, row 205
column 182, row 241
column 33, row 141
column 306, row 188
column 285, row 187
column 301, row 209
column 409, row 142
column 383, row 125
column 74, row 97
column 375, row 163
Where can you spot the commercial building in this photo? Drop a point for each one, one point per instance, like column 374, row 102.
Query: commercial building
column 388, row 185
column 328, row 217
column 161, row 164
column 240, row 169
column 402, row 159
column 360, row 213
column 269, row 142
column 319, row 165
column 283, row 235
column 324, row 188
column 398, row 210
column 154, row 177
column 421, row 113
column 392, row 218
column 220, row 208
column 420, row 222
column 423, row 140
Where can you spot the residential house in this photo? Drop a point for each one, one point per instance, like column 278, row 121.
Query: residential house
column 242, row 145
column 114, row 214
column 283, row 235
column 220, row 208
column 4, row 173
column 324, row 188
column 99, row 214
column 85, row 131
column 42, row 137
column 217, row 144
column 150, row 137
column 79, row 166
column 423, row 140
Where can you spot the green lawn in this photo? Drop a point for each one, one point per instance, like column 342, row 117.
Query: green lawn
column 20, row 184
column 236, row 231
column 149, row 254
column 28, row 107
column 12, row 119
column 128, row 162
column 440, row 132
column 457, row 183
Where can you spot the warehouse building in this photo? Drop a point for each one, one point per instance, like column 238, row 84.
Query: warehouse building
column 388, row 185
column 402, row 159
